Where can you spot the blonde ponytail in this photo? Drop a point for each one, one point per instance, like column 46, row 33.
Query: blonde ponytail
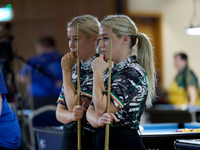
column 122, row 25
column 145, row 59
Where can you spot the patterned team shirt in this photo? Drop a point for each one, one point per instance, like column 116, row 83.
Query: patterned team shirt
column 86, row 88
column 129, row 89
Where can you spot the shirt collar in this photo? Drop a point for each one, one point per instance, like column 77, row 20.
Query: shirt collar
column 86, row 65
column 121, row 65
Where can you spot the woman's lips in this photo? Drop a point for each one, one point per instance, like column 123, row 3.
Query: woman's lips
column 75, row 53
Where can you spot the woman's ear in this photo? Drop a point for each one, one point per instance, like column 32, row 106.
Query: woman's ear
column 95, row 39
column 126, row 39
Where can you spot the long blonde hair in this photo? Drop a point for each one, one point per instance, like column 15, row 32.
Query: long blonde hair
column 124, row 25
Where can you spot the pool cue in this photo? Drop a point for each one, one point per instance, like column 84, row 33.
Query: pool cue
column 109, row 86
column 78, row 89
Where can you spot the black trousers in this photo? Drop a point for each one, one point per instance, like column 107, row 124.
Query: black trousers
column 69, row 140
column 121, row 138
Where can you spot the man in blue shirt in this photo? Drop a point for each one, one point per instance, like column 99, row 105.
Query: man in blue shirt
column 45, row 70
column 10, row 135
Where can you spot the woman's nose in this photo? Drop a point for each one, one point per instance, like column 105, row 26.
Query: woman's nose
column 71, row 44
column 101, row 44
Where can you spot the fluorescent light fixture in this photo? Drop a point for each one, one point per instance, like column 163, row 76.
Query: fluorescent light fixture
column 193, row 30
column 6, row 13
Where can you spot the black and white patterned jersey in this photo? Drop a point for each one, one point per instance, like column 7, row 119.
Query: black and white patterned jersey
column 129, row 89
column 86, row 86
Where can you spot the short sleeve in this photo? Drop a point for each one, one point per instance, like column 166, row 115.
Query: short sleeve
column 128, row 87
column 61, row 98
column 87, row 85
column 3, row 89
column 193, row 80
column 85, row 95
column 86, row 89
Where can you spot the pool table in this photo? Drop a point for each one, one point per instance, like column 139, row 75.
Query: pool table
column 161, row 136
column 157, row 136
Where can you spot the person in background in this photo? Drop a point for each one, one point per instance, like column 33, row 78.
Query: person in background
column 44, row 70
column 10, row 135
column 184, row 89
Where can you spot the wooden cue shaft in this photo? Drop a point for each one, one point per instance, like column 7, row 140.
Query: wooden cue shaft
column 109, row 86
column 78, row 89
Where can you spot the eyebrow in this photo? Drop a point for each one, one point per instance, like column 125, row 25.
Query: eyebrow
column 103, row 34
column 74, row 36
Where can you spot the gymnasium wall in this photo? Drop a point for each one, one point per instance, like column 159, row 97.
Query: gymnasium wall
column 35, row 18
column 176, row 16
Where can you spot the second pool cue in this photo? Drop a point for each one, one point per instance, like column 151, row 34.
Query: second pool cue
column 108, row 95
column 78, row 90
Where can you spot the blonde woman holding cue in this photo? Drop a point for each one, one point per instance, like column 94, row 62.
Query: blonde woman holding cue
column 132, row 84
column 68, row 112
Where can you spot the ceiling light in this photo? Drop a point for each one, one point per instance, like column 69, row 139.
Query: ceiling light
column 193, row 30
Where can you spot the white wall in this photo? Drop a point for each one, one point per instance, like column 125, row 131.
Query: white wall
column 176, row 17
